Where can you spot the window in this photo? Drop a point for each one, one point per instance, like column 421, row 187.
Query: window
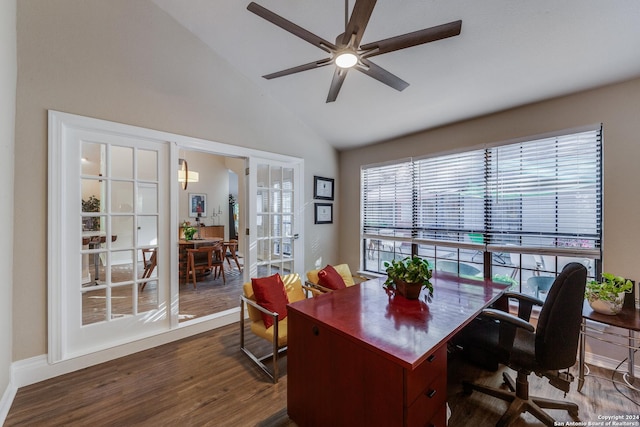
column 532, row 205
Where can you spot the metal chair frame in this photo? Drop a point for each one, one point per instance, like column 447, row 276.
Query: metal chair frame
column 275, row 350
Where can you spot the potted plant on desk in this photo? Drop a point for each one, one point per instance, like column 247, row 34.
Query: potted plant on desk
column 409, row 276
column 607, row 295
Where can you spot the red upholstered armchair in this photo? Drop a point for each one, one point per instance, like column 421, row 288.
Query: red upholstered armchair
column 267, row 316
column 314, row 286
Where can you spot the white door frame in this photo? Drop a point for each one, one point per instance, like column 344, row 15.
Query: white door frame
column 59, row 124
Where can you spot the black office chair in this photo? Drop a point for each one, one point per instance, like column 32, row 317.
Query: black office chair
column 514, row 342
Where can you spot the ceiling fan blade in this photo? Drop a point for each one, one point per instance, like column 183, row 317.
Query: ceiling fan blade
column 358, row 22
column 336, row 83
column 382, row 75
column 412, row 39
column 299, row 68
column 291, row 27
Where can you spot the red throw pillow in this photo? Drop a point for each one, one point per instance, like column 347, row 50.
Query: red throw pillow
column 270, row 294
column 330, row 278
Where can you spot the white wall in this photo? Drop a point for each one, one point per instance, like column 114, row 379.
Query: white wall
column 213, row 181
column 8, row 73
column 129, row 62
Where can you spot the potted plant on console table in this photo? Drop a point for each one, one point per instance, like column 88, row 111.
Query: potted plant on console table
column 408, row 276
column 607, row 295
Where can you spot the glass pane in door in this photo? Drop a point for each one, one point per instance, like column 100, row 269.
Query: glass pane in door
column 120, row 224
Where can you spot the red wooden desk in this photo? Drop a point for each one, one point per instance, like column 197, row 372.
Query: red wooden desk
column 361, row 357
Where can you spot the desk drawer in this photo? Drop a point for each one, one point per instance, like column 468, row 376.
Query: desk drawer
column 417, row 381
column 430, row 404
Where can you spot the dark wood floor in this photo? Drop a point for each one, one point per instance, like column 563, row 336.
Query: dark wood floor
column 206, row 381
column 211, row 295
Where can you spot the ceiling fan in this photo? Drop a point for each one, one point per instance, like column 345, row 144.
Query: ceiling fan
column 347, row 52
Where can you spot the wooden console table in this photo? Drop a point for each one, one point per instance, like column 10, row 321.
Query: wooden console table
column 359, row 356
column 207, row 232
column 629, row 319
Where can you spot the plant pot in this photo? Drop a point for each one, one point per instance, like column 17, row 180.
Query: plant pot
column 607, row 307
column 408, row 290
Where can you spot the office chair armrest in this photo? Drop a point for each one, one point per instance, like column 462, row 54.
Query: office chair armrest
column 501, row 316
column 508, row 327
column 524, row 297
column 254, row 304
column 525, row 304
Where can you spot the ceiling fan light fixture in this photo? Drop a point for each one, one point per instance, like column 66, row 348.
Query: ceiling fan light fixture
column 346, row 59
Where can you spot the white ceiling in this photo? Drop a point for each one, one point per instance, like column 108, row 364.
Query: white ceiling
column 509, row 53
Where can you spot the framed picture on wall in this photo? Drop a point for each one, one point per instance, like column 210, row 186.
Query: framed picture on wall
column 323, row 213
column 323, row 188
column 197, row 205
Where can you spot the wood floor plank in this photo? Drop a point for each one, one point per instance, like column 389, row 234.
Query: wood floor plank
column 206, row 381
column 202, row 380
column 598, row 397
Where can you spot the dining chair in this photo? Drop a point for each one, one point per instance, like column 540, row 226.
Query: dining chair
column 150, row 261
column 231, row 252
column 205, row 259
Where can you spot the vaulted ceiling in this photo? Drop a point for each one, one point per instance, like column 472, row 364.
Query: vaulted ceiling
column 509, row 53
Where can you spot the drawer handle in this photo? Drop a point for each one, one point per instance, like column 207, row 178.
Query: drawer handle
column 431, row 358
column 315, row 331
column 431, row 393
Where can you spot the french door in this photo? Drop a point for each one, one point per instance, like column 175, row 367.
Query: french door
column 113, row 230
column 112, row 214
column 275, row 240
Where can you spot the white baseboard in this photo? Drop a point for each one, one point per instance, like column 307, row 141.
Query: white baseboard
column 608, row 363
column 7, row 399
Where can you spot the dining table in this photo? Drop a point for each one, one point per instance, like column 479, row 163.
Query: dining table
column 183, row 245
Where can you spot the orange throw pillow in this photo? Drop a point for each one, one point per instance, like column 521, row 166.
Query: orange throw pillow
column 270, row 294
column 330, row 278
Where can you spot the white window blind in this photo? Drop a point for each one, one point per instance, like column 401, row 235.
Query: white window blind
column 546, row 193
column 541, row 196
column 387, row 201
column 450, row 196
